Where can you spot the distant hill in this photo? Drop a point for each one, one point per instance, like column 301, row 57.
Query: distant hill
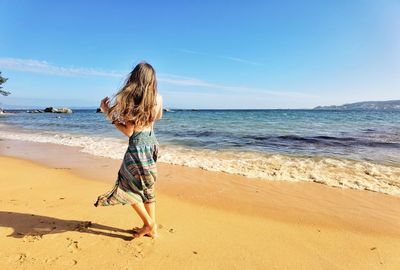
column 365, row 105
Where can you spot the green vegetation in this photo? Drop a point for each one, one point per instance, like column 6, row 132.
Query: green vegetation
column 2, row 91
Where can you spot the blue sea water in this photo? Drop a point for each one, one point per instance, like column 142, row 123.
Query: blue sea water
column 350, row 149
column 360, row 135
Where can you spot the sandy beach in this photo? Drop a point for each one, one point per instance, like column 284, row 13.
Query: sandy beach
column 207, row 220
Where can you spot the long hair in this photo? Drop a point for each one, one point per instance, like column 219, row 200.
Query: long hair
column 134, row 102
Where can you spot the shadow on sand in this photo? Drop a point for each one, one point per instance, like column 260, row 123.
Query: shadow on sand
column 25, row 224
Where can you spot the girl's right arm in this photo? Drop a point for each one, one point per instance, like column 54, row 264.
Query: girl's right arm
column 105, row 106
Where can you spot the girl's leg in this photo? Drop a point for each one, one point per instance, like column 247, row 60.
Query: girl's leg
column 151, row 210
column 149, row 224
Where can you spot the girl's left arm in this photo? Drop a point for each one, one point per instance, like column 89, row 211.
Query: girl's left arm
column 127, row 129
column 159, row 107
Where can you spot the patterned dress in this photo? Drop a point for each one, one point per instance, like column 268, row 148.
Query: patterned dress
column 138, row 172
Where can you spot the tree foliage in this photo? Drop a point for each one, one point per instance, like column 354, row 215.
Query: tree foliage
column 2, row 91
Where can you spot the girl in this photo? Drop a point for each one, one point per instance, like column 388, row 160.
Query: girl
column 137, row 106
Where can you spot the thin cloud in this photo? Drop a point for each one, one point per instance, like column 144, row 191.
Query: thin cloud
column 44, row 67
column 192, row 52
column 188, row 81
column 235, row 59
column 184, row 81
column 240, row 60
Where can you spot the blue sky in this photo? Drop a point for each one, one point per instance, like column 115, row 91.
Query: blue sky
column 207, row 54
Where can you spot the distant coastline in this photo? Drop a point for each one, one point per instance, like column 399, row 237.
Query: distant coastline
column 364, row 105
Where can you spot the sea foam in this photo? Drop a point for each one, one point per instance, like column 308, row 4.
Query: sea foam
column 334, row 172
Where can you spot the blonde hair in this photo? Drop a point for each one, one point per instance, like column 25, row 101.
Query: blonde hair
column 134, row 102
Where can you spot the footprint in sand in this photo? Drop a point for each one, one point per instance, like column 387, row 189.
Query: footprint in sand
column 135, row 250
column 50, row 260
column 18, row 258
column 21, row 258
column 29, row 238
column 73, row 246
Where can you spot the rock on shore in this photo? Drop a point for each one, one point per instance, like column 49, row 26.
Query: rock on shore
column 59, row 110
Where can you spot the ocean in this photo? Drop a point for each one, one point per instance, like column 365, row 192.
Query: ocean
column 356, row 149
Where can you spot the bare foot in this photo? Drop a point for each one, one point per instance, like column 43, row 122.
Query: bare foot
column 146, row 230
